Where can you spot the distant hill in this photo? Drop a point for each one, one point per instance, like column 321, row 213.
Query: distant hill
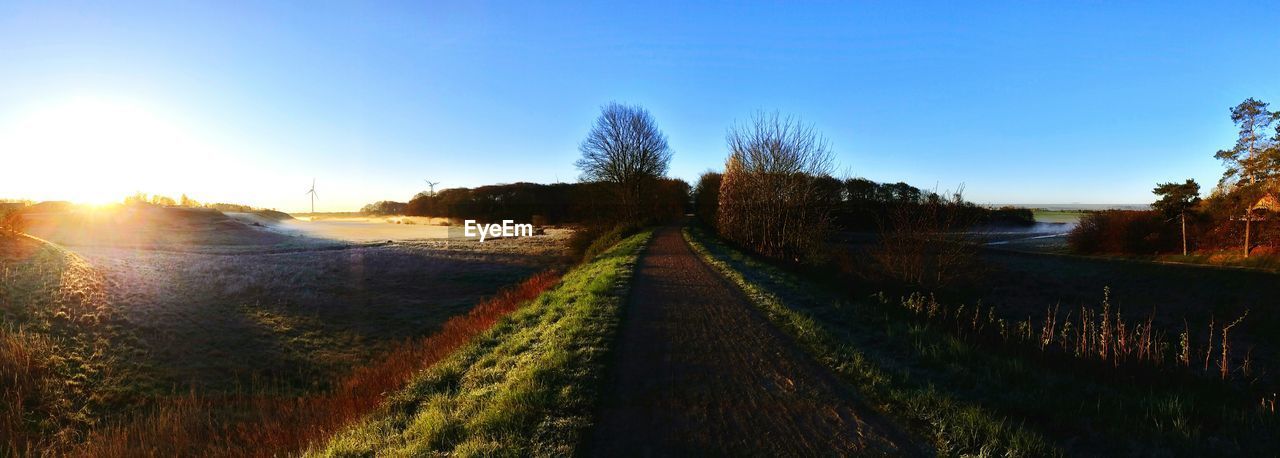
column 1093, row 207
column 146, row 225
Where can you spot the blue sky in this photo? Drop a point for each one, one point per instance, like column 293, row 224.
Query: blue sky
column 1022, row 102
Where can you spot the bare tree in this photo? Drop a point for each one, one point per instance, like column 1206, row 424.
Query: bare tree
column 625, row 148
column 769, row 198
column 927, row 240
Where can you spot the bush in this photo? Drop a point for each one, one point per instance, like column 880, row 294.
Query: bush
column 1010, row 216
column 670, row 200
column 927, row 243
column 1124, row 232
column 589, row 241
column 772, row 193
column 706, row 198
column 12, row 222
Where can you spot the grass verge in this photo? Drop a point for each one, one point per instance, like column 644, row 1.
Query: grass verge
column 952, row 426
column 967, row 398
column 526, row 386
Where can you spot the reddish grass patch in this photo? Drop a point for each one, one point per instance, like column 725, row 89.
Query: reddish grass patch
column 267, row 424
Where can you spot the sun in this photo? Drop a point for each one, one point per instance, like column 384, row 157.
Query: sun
column 92, row 149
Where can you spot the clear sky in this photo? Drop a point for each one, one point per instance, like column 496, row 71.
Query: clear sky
column 1022, row 102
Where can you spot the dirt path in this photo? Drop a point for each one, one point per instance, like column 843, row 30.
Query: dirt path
column 699, row 371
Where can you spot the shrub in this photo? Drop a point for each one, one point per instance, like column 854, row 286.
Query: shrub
column 587, row 203
column 12, row 222
column 670, row 200
column 706, row 197
column 771, row 193
column 1011, row 216
column 1124, row 232
column 589, row 241
column 927, row 243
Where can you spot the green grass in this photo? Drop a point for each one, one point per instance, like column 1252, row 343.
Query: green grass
column 525, row 387
column 967, row 398
column 1058, row 216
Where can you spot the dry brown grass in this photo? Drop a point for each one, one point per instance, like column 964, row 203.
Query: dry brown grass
column 27, row 392
column 1102, row 335
column 269, row 424
column 58, row 341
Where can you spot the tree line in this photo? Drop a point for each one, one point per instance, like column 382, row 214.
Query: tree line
column 1236, row 216
column 624, row 164
column 589, row 202
column 776, row 195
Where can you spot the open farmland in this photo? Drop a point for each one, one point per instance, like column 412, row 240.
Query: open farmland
column 411, row 229
column 212, row 304
column 363, row 229
column 1043, row 215
column 218, row 304
column 217, row 319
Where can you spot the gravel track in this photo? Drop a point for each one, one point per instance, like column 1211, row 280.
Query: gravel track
column 699, row 371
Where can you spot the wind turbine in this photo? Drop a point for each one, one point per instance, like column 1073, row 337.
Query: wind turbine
column 432, row 185
column 312, row 193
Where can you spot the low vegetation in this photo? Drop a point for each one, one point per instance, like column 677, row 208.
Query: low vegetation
column 928, row 243
column 189, row 346
column 266, row 423
column 968, row 395
column 557, row 203
column 1123, row 231
column 524, row 387
column 771, row 196
column 1239, row 216
column 12, row 221
column 61, row 349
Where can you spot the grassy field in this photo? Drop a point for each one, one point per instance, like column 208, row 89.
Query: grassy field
column 525, row 387
column 219, row 321
column 1057, row 216
column 67, row 356
column 270, row 423
column 195, row 304
column 965, row 394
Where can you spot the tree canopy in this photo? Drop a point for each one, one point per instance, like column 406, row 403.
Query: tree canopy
column 1176, row 198
column 625, row 148
column 1255, row 156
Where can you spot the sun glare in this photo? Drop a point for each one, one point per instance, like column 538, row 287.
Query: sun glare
column 95, row 149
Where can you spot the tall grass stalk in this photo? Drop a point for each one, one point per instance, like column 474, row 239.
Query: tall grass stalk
column 1101, row 335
